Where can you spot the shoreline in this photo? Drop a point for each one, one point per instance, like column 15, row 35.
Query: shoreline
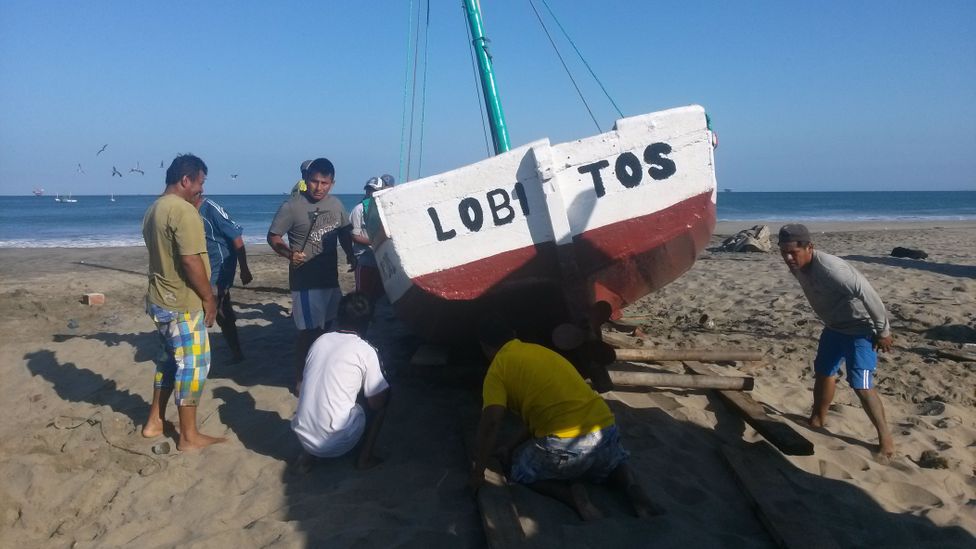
column 722, row 228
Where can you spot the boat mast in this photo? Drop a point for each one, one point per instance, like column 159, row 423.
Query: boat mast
column 499, row 131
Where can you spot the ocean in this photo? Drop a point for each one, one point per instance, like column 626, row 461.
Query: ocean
column 95, row 221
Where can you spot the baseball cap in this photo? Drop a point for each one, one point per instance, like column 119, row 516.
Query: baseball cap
column 305, row 166
column 374, row 184
column 794, row 232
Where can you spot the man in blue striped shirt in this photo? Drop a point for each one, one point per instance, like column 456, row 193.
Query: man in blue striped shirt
column 225, row 246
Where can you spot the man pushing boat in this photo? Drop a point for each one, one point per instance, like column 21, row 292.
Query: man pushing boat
column 855, row 327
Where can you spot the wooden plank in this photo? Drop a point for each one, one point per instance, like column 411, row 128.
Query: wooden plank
column 499, row 517
column 956, row 355
column 655, row 379
column 700, row 355
column 498, row 514
column 776, row 432
column 620, row 340
column 790, row 523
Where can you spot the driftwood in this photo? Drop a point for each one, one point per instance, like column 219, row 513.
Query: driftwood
column 790, row 523
column 776, row 432
column 499, row 517
column 701, row 355
column 654, row 379
column 956, row 355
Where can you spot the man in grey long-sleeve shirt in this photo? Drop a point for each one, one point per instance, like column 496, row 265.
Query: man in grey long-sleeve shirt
column 855, row 327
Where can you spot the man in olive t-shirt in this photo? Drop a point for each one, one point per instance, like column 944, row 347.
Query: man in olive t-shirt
column 179, row 299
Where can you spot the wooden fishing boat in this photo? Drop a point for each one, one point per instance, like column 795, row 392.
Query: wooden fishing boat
column 543, row 231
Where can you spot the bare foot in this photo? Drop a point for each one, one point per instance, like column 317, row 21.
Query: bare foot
column 581, row 500
column 197, row 441
column 816, row 421
column 886, row 449
column 153, row 428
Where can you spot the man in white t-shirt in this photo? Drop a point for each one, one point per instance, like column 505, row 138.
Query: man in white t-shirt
column 342, row 374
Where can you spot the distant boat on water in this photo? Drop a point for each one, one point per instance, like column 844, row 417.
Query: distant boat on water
column 67, row 199
column 112, row 197
column 38, row 191
column 727, row 190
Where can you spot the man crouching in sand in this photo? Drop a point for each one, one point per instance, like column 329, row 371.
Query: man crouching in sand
column 569, row 433
column 856, row 327
column 340, row 367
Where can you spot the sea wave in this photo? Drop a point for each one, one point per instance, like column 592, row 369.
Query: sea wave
column 91, row 241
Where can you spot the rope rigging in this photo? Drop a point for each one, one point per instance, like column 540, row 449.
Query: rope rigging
column 580, row 54
column 565, row 67
column 408, row 132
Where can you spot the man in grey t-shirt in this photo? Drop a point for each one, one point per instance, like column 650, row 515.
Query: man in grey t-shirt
column 315, row 223
column 855, row 327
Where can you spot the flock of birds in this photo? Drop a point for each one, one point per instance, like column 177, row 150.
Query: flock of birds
column 137, row 169
column 115, row 171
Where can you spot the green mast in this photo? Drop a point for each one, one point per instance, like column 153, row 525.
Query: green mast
column 499, row 132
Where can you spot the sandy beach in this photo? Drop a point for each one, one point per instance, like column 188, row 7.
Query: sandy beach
column 77, row 381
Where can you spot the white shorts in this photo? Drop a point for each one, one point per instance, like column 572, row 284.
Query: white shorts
column 313, row 309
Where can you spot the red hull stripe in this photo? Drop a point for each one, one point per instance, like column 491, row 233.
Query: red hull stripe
column 620, row 262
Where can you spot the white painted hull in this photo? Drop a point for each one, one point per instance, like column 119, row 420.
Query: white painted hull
column 633, row 206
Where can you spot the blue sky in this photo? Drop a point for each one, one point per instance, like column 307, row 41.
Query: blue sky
column 868, row 95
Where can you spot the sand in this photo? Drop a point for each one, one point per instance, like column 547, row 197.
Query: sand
column 74, row 470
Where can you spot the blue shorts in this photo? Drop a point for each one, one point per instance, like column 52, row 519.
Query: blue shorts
column 592, row 456
column 857, row 352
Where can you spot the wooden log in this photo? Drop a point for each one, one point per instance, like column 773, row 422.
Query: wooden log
column 787, row 519
column 776, row 432
column 700, row 355
column 654, row 379
column 499, row 516
column 620, row 340
column 958, row 356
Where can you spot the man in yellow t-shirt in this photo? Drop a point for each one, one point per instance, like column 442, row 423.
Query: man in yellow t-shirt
column 179, row 299
column 570, row 433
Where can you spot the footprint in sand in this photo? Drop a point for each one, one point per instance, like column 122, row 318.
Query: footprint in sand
column 908, row 496
column 833, row 471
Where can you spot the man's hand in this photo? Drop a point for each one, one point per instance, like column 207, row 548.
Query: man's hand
column 297, row 258
column 883, row 344
column 246, row 277
column 210, row 311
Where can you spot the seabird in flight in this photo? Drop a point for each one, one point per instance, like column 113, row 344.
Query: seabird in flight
column 116, row 172
column 105, row 146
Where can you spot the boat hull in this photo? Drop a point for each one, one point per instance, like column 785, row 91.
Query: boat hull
column 610, row 218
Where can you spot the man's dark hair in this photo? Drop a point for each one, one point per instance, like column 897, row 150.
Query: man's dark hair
column 494, row 331
column 355, row 312
column 184, row 164
column 321, row 166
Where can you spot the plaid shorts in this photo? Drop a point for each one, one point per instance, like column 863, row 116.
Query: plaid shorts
column 186, row 361
column 592, row 456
